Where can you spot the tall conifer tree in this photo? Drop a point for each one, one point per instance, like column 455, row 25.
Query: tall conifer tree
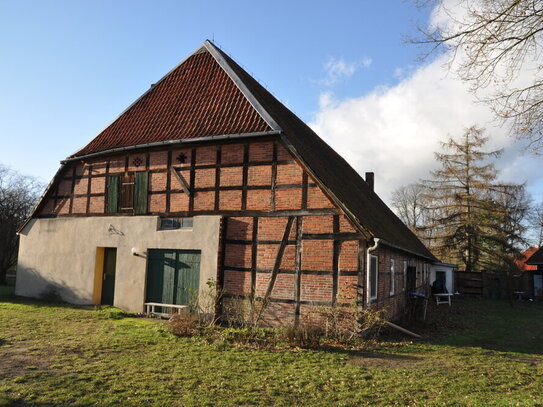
column 466, row 216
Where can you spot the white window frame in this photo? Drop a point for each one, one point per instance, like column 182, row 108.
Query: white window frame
column 392, row 276
column 426, row 268
column 405, row 275
column 373, row 296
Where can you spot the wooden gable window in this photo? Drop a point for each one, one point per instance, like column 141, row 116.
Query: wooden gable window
column 127, row 193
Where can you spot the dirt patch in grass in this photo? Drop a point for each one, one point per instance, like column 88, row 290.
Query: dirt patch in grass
column 531, row 361
column 10, row 402
column 385, row 360
column 20, row 360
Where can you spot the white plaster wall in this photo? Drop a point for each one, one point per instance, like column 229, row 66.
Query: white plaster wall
column 448, row 269
column 60, row 253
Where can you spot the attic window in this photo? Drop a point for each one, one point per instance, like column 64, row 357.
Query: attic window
column 175, row 223
column 127, row 193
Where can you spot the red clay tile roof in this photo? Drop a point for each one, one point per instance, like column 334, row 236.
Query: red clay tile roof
column 522, row 262
column 196, row 99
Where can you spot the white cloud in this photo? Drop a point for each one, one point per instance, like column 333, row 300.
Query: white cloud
column 394, row 131
column 339, row 69
column 366, row 62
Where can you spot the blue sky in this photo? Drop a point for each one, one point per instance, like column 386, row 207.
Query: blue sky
column 70, row 67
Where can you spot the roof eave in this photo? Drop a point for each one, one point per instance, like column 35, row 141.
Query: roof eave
column 169, row 143
column 394, row 246
column 40, row 201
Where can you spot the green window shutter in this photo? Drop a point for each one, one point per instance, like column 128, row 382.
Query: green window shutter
column 140, row 193
column 113, row 194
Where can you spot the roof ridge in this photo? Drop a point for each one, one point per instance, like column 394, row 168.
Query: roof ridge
column 342, row 182
column 218, row 54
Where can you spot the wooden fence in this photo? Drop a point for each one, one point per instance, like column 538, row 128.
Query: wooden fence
column 489, row 284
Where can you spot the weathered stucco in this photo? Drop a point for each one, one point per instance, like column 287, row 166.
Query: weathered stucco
column 58, row 255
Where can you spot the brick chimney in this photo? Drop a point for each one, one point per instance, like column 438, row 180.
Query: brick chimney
column 369, row 179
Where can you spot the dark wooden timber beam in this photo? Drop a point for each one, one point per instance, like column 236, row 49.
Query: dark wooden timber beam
column 179, row 177
column 276, row 265
column 297, row 270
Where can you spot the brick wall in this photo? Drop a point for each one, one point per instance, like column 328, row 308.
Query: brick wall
column 256, row 176
column 393, row 302
column 248, row 183
column 315, row 240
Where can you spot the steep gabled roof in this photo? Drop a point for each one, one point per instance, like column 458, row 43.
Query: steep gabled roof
column 210, row 95
column 336, row 175
column 196, row 99
column 536, row 258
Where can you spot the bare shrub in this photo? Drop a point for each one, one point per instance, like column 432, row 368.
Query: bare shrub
column 241, row 312
column 303, row 336
column 184, row 324
column 370, row 322
column 203, row 303
column 347, row 323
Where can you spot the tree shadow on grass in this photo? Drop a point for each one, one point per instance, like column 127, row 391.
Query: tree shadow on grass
column 6, row 291
column 19, row 402
column 496, row 325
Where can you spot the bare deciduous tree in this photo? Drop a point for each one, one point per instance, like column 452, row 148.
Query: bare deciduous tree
column 536, row 223
column 409, row 204
column 491, row 43
column 18, row 194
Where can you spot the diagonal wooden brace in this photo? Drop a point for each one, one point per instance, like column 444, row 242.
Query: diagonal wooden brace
column 181, row 180
column 277, row 264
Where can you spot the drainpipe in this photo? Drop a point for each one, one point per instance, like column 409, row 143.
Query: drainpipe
column 369, row 250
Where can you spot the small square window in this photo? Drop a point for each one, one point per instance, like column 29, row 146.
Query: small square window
column 186, row 223
column 175, row 223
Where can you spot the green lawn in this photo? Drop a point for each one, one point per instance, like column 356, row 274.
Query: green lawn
column 62, row 355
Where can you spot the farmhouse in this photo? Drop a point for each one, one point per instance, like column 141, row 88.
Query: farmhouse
column 207, row 177
column 534, row 266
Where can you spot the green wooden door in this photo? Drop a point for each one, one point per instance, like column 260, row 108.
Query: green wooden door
column 173, row 276
column 108, row 283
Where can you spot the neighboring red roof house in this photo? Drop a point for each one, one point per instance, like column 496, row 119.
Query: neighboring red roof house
column 535, row 259
column 207, row 176
column 532, row 267
column 521, row 263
